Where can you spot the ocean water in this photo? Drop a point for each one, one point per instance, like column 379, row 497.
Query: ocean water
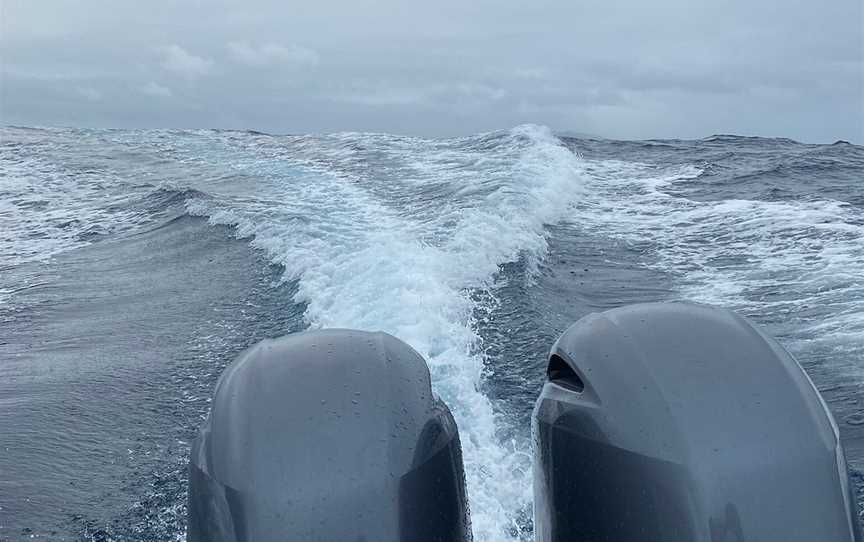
column 135, row 264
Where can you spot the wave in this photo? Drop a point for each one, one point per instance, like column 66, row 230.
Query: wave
column 776, row 261
column 752, row 140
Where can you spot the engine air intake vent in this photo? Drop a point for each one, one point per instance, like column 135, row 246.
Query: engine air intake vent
column 560, row 372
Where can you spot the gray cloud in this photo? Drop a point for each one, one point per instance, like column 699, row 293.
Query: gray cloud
column 627, row 69
column 155, row 89
column 89, row 93
column 180, row 61
column 271, row 53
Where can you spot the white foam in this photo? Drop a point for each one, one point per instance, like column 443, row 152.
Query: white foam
column 51, row 202
column 370, row 252
column 777, row 260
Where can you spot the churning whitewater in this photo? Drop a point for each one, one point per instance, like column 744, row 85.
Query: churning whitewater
column 476, row 251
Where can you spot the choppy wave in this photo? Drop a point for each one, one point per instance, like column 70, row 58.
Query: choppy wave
column 411, row 236
column 797, row 264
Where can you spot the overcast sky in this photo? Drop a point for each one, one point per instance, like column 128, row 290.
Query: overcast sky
column 620, row 69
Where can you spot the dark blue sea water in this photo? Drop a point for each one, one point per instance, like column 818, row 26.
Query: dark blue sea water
column 135, row 264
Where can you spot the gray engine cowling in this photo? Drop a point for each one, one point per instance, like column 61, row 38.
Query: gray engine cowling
column 679, row 422
column 329, row 435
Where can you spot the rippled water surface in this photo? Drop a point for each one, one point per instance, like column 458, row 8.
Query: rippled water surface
column 135, row 264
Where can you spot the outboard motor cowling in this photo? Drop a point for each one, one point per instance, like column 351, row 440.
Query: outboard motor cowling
column 330, row 435
column 684, row 423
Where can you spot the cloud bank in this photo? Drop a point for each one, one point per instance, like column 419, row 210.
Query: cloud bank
column 622, row 69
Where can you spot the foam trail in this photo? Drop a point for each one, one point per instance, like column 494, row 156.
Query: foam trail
column 369, row 254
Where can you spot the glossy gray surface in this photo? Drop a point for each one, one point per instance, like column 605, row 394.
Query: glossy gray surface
column 679, row 422
column 330, row 435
